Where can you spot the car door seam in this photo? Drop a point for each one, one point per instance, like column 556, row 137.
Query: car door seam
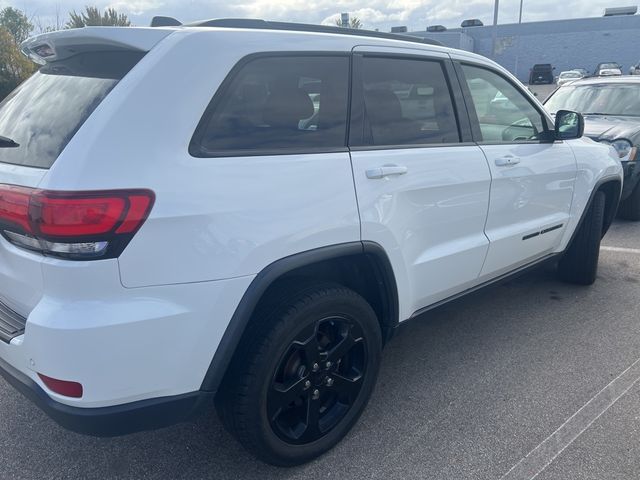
column 486, row 219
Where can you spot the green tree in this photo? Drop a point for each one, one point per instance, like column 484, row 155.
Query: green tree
column 14, row 66
column 92, row 17
column 354, row 22
column 16, row 23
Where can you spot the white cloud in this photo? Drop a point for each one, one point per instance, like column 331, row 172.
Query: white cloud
column 136, row 7
column 382, row 14
column 370, row 16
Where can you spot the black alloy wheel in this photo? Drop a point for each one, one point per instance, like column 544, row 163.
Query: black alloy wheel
column 317, row 380
column 304, row 373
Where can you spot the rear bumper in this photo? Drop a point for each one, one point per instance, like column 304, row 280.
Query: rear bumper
column 111, row 421
column 122, row 345
column 140, row 354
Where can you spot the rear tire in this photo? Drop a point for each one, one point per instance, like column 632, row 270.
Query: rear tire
column 630, row 208
column 580, row 262
column 303, row 376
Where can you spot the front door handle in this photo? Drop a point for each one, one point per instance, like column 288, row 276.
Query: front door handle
column 507, row 161
column 386, row 171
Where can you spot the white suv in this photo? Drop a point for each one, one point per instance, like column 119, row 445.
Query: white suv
column 203, row 213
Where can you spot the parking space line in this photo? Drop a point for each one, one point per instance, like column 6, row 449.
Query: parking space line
column 620, row 249
column 538, row 459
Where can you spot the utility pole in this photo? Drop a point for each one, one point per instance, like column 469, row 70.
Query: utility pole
column 518, row 41
column 495, row 29
column 520, row 18
column 518, row 44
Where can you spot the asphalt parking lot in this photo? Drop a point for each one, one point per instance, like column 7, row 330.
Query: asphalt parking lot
column 466, row 392
column 542, row 91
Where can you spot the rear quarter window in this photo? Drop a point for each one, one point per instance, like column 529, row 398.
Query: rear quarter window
column 44, row 113
column 277, row 104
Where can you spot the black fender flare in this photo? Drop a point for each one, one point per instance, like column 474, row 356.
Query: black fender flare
column 263, row 280
column 610, row 213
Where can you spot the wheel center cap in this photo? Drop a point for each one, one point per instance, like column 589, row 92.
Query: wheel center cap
column 318, row 378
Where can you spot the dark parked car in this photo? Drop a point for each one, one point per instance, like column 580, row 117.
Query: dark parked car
column 541, row 73
column 611, row 108
column 473, row 22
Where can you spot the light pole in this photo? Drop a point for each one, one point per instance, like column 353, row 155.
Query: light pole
column 495, row 28
column 520, row 17
column 518, row 41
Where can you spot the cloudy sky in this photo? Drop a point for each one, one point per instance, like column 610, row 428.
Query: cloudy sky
column 382, row 14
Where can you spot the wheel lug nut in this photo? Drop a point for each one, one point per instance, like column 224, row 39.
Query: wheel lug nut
column 307, row 384
column 315, row 367
column 328, row 365
column 329, row 381
column 316, row 394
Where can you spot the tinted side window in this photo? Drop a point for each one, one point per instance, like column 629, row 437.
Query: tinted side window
column 275, row 103
column 407, row 102
column 505, row 115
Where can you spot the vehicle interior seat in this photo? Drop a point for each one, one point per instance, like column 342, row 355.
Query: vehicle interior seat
column 387, row 124
column 446, row 119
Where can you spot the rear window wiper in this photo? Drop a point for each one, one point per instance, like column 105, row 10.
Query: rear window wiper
column 7, row 143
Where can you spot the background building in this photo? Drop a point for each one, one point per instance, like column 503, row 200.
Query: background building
column 566, row 44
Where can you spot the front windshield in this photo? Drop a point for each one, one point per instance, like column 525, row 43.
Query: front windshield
column 619, row 99
column 570, row 75
column 609, row 65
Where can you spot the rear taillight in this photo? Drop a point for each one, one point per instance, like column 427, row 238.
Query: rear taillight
column 73, row 225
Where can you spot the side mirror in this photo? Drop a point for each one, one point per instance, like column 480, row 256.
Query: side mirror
column 569, row 125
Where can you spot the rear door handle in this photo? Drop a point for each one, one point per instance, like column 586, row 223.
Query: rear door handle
column 386, row 171
column 507, row 161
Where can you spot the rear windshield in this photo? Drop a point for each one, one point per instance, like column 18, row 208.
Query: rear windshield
column 44, row 113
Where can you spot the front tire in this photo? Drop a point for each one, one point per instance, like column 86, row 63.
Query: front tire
column 304, row 375
column 630, row 208
column 580, row 262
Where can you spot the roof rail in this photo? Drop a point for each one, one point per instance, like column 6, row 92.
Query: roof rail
column 258, row 24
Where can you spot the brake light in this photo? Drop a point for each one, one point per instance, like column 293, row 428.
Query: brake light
column 74, row 225
column 69, row 217
column 14, row 206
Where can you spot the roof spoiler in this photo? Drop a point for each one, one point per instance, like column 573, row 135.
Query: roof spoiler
column 50, row 47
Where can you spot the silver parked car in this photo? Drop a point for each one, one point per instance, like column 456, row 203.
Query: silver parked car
column 611, row 69
column 569, row 76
